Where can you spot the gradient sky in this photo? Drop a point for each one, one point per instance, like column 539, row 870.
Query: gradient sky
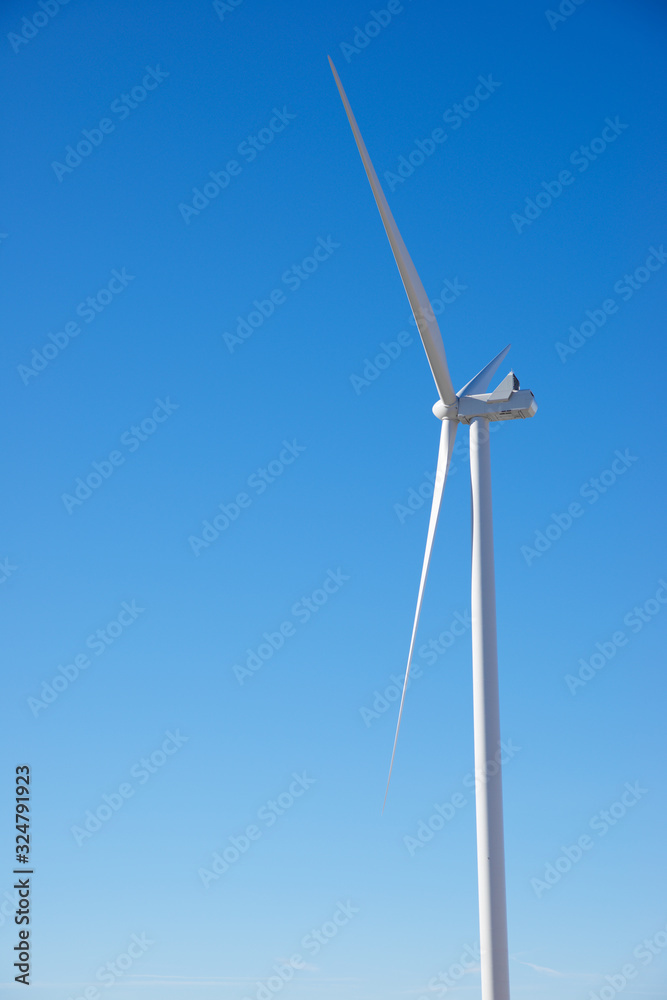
column 153, row 385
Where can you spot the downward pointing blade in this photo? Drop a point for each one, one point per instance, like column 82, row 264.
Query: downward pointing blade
column 421, row 307
column 447, row 435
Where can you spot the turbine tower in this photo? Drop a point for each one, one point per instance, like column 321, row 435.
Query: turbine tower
column 472, row 405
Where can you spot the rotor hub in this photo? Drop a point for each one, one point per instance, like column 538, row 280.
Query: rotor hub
column 446, row 411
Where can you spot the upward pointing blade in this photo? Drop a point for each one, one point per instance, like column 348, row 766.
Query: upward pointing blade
column 447, row 435
column 481, row 381
column 421, row 307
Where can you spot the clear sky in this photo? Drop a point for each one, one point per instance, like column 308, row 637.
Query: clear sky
column 216, row 443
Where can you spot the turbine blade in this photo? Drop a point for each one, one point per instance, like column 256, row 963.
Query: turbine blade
column 447, row 435
column 482, row 380
column 419, row 301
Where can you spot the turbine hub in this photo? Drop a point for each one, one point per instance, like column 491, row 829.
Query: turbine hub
column 444, row 411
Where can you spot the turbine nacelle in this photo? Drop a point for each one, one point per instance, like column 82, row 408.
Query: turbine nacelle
column 507, row 401
column 521, row 403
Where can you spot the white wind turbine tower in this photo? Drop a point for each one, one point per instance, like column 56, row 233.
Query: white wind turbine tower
column 475, row 406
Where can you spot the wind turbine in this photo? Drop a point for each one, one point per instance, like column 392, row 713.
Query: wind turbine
column 475, row 406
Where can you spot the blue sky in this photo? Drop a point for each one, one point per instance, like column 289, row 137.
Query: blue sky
column 182, row 351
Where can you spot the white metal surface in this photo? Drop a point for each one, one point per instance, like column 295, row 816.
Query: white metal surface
column 482, row 380
column 447, row 436
column 521, row 404
column 419, row 300
column 488, row 772
column 502, row 392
